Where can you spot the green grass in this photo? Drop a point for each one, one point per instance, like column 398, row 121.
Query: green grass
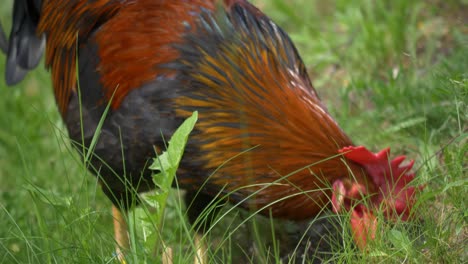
column 393, row 73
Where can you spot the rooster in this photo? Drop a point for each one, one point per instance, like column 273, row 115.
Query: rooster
column 263, row 135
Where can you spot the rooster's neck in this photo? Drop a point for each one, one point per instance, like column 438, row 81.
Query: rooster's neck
column 260, row 120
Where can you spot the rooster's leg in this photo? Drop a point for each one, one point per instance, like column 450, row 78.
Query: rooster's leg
column 200, row 246
column 121, row 233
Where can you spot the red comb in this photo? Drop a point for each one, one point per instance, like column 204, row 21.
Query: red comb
column 391, row 177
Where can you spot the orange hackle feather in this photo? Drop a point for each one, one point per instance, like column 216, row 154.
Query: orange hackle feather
column 262, row 127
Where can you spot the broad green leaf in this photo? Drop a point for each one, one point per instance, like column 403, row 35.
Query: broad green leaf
column 166, row 166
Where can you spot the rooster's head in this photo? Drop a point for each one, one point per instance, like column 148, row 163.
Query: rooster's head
column 393, row 194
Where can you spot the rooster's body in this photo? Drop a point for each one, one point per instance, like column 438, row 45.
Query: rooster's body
column 263, row 136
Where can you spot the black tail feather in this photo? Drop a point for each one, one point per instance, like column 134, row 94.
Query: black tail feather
column 24, row 49
column 3, row 40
